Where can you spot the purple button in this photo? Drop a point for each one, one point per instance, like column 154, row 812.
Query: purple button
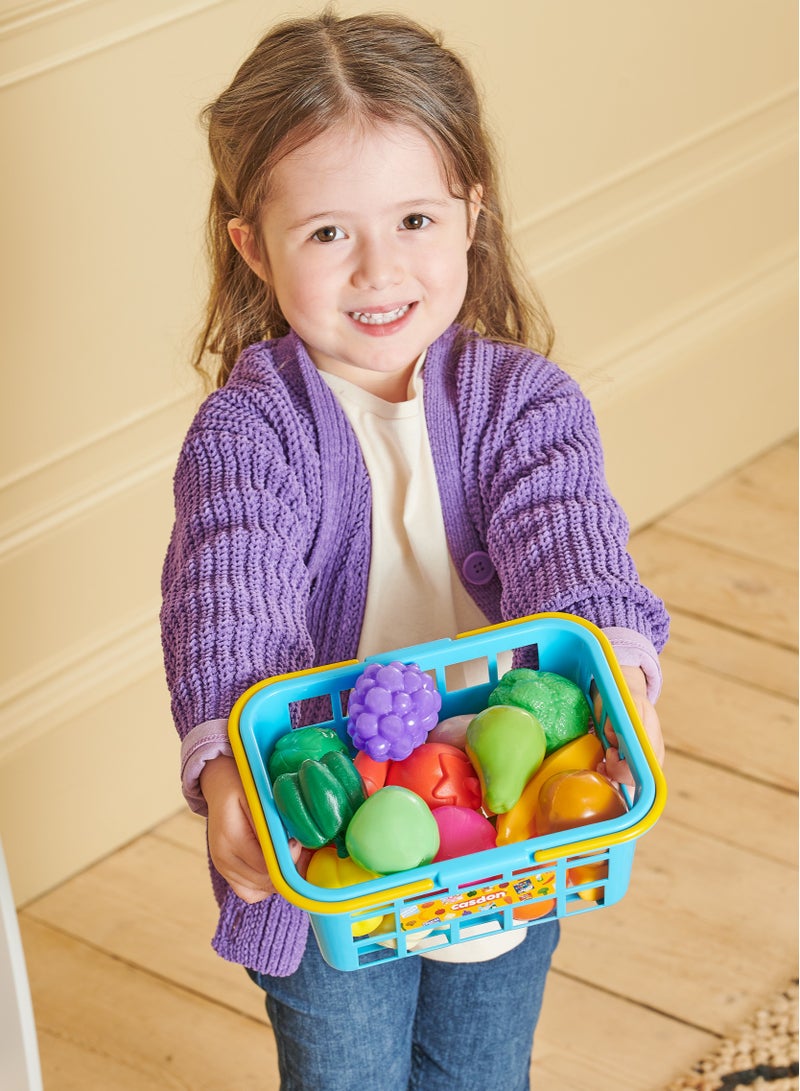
column 478, row 568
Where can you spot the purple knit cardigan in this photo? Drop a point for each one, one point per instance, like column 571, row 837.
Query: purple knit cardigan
column 267, row 567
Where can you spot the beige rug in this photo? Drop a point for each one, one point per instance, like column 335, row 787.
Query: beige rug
column 762, row 1056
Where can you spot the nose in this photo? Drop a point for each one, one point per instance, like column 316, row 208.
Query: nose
column 377, row 266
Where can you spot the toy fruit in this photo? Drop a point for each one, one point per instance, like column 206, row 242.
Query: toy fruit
column 391, row 709
column 506, row 745
column 326, row 868
column 461, row 831
column 292, row 749
column 577, row 798
column 393, row 830
column 585, row 752
column 442, row 775
column 558, row 703
column 317, row 802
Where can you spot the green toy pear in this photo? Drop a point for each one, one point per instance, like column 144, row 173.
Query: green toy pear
column 506, row 745
column 558, row 703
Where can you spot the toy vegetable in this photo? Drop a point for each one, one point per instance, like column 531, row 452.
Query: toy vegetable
column 372, row 773
column 441, row 774
column 318, row 801
column 585, row 752
column 293, row 748
column 328, row 869
column 556, row 702
column 452, row 730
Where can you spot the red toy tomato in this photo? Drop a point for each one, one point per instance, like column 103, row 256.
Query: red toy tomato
column 577, row 798
column 372, row 772
column 441, row 774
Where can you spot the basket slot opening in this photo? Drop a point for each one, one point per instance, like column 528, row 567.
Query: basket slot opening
column 602, row 721
column 340, row 706
column 429, row 896
column 311, row 710
column 375, row 954
column 467, row 674
column 527, row 655
column 596, row 703
column 479, row 883
column 575, row 905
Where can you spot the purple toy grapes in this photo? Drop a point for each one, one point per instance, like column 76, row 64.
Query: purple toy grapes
column 392, row 708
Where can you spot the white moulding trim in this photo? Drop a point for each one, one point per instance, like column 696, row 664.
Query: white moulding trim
column 29, row 46
column 33, row 704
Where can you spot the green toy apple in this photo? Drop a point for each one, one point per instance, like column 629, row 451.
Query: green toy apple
column 506, row 745
column 392, row 830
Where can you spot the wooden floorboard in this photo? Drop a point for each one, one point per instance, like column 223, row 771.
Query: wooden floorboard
column 129, row 995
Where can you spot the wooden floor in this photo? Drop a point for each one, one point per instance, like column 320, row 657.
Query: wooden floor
column 129, row 997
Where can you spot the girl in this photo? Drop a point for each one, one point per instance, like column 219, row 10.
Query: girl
column 387, row 461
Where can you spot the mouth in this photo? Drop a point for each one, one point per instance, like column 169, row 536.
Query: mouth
column 381, row 318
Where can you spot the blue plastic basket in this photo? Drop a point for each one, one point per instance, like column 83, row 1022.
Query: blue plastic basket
column 456, row 900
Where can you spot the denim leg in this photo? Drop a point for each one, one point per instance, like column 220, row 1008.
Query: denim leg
column 410, row 1024
column 475, row 1020
column 343, row 1031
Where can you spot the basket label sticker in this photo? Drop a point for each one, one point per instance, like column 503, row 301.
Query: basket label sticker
column 477, row 899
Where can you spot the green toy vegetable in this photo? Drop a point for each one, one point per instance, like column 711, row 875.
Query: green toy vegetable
column 293, row 748
column 317, row 802
column 558, row 704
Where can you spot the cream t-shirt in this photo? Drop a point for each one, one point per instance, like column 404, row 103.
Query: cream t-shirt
column 414, row 593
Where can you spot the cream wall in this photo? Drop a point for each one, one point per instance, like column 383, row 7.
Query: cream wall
column 650, row 151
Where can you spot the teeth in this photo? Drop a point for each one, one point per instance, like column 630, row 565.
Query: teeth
column 380, row 318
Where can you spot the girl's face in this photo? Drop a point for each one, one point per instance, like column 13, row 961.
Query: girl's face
column 366, row 251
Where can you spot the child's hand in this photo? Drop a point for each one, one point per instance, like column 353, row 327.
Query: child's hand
column 232, row 841
column 613, row 767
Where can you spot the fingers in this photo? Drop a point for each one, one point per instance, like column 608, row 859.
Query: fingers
column 300, row 855
column 616, row 768
column 232, row 842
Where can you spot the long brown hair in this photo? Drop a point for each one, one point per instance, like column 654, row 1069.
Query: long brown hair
column 303, row 77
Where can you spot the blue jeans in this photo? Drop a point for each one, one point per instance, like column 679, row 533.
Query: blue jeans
column 412, row 1024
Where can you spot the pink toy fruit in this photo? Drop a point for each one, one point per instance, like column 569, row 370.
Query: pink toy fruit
column 461, row 831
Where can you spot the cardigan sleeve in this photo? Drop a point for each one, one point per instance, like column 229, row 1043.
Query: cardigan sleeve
column 555, row 533
column 235, row 584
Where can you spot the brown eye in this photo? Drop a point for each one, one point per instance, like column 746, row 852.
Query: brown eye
column 416, row 221
column 329, row 233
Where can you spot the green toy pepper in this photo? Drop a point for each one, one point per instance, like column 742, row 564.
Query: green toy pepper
column 295, row 747
column 317, row 802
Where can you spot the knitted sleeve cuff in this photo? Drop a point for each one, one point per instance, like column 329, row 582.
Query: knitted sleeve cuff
column 634, row 650
column 268, row 937
column 204, row 742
